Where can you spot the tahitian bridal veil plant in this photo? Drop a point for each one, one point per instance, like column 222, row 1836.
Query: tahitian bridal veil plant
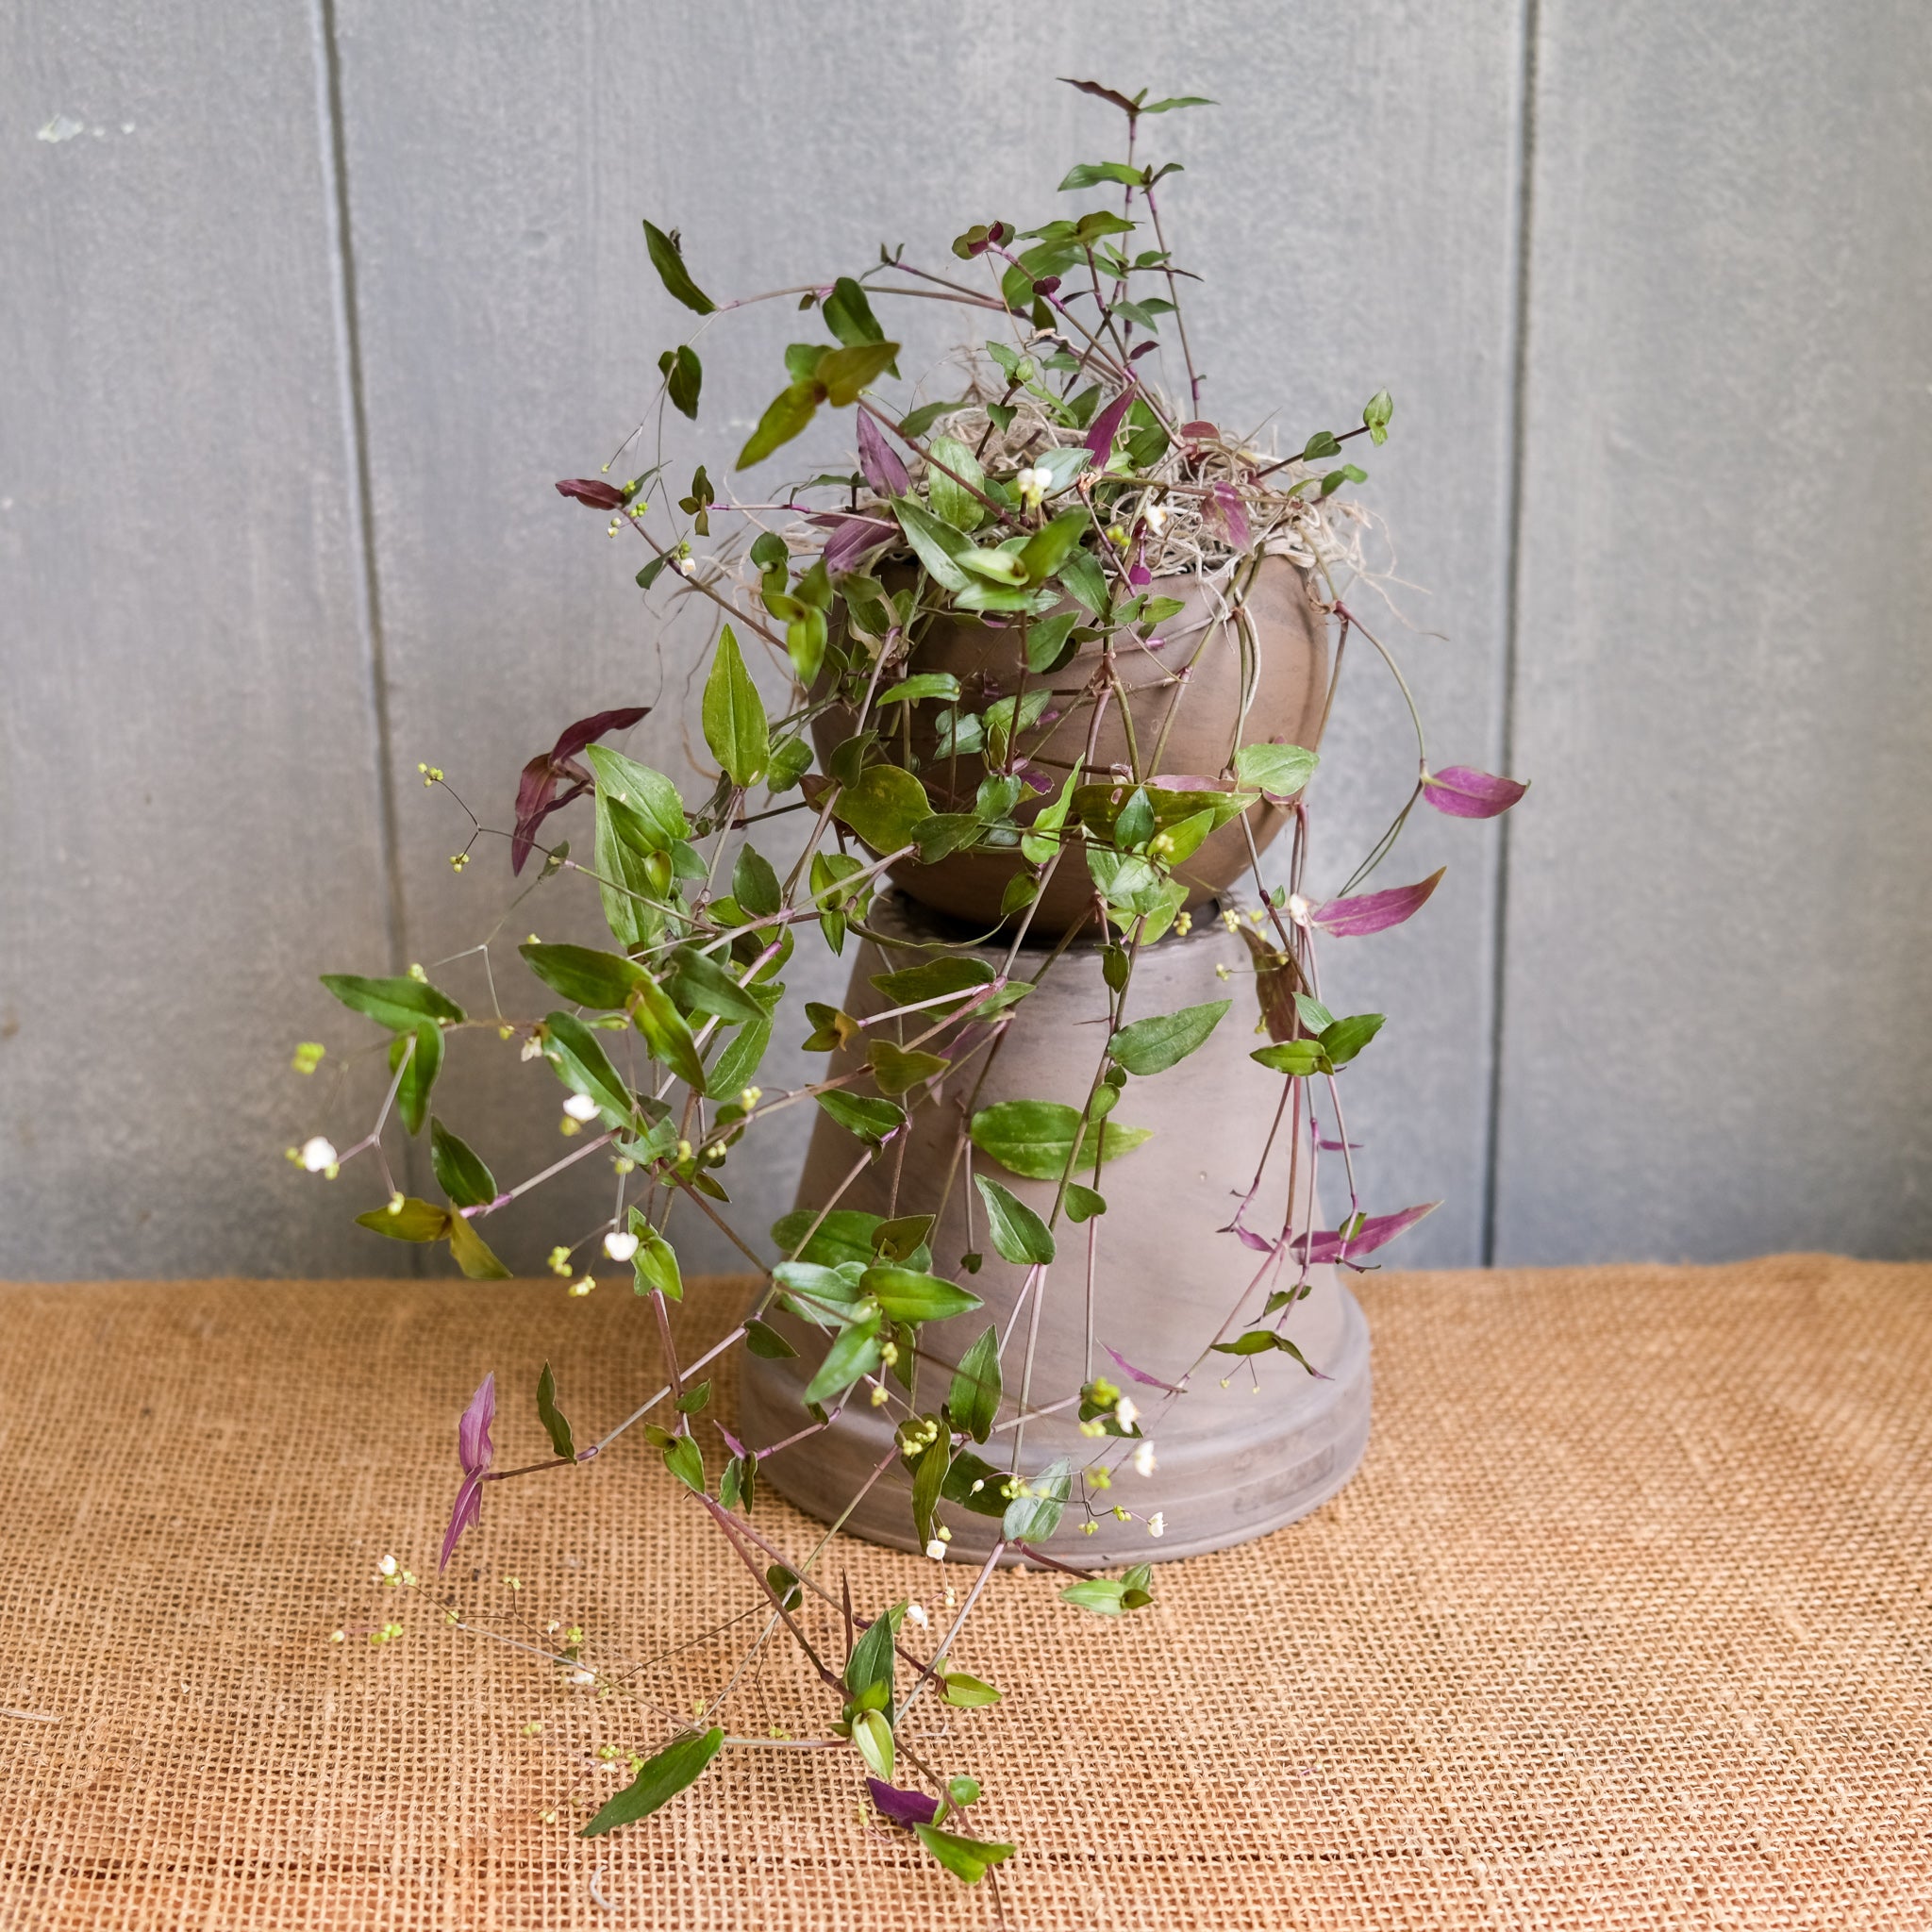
column 1056, row 648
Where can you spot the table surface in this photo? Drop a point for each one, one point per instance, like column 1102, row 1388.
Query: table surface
column 1623, row 1624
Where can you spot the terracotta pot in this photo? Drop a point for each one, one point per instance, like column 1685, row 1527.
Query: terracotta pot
column 1185, row 705
column 1230, row 1463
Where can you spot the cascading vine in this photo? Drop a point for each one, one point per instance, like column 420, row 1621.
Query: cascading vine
column 1051, row 505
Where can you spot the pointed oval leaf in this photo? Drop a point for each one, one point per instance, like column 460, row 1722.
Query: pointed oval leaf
column 1154, row 1044
column 1018, row 1233
column 660, row 1779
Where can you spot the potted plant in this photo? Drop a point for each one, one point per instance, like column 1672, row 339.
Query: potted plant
column 1060, row 649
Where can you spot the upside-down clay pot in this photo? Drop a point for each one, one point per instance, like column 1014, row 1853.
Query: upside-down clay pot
column 1253, row 1442
column 1261, row 639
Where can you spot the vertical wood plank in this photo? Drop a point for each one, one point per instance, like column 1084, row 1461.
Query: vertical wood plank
column 1353, row 202
column 187, row 784
column 1720, row 909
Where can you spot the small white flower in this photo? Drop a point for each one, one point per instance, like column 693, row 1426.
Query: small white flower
column 580, row 1106
column 318, row 1155
column 1156, row 514
column 533, row 1049
column 937, row 1549
column 917, row 1612
column 686, row 567
column 620, row 1247
column 1127, row 1411
column 1033, row 484
column 583, row 1676
column 1299, row 909
column 388, row 1566
column 1156, row 1523
column 1143, row 1459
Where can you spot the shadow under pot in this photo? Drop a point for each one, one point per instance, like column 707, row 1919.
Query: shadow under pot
column 1243, row 661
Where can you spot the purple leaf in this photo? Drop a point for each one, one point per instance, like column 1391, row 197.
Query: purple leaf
column 1234, row 519
column 1139, row 349
column 731, row 1442
column 1463, row 792
column 475, row 1453
column 1376, row 1231
column 1140, row 576
column 902, row 1807
column 473, row 1429
column 536, row 789
column 588, row 490
column 1139, row 1375
column 1259, row 1242
column 587, row 731
column 879, row 460
column 1354, row 919
column 1103, row 94
column 1106, row 425
column 854, row 539
column 469, row 1510
column 1201, row 432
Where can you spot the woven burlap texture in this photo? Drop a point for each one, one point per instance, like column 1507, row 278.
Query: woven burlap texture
column 1623, row 1624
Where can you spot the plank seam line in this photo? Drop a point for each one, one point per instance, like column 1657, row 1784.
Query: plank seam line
column 356, row 432
column 335, row 164
column 1512, row 614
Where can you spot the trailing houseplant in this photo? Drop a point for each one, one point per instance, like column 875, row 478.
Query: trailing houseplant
column 1058, row 649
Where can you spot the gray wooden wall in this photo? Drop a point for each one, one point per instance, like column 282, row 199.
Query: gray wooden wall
column 305, row 305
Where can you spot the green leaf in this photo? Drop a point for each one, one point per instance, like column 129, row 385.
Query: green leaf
column 1082, row 1204
column 1085, row 580
column 849, row 316
column 1299, row 1058
column 736, row 1068
column 897, row 1071
column 1047, row 549
column 907, row 1295
column 685, row 1461
column 1281, row 770
column 923, row 684
column 844, row 1234
column 473, row 1254
column 1153, row 1045
column 765, row 1341
column 1100, row 1594
column 580, row 1062
column 1167, row 107
column 1375, row 415
column 1018, row 1233
column 401, row 1005
column 1315, row 1016
column 929, row 1480
column 414, row 1221
column 1342, row 1039
column 554, row 1426
column 872, row 1119
column 969, row 1693
column 754, row 885
column 733, row 716
column 952, row 500
column 936, row 544
column 667, row 258
column 953, row 973
column 1036, row 1138
column 968, row 1858
column 821, row 1294
column 974, row 1401
column 654, row 1264
column 666, row 1033
column 1321, row 443
column 854, row 1353
column 1134, row 824
column 459, row 1172
column 583, row 975
column 684, row 377
column 787, row 414
column 883, row 807
column 652, row 814
column 704, row 986
column 872, row 1660
column 418, row 1076
column 1034, row 1515
column 1092, row 174
column 842, row 372
column 872, row 1735
column 628, row 880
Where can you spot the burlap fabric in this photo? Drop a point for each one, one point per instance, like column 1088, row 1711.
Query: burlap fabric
column 1623, row 1624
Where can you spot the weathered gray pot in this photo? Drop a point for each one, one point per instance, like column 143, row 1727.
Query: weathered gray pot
column 1217, row 673
column 1231, row 1462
